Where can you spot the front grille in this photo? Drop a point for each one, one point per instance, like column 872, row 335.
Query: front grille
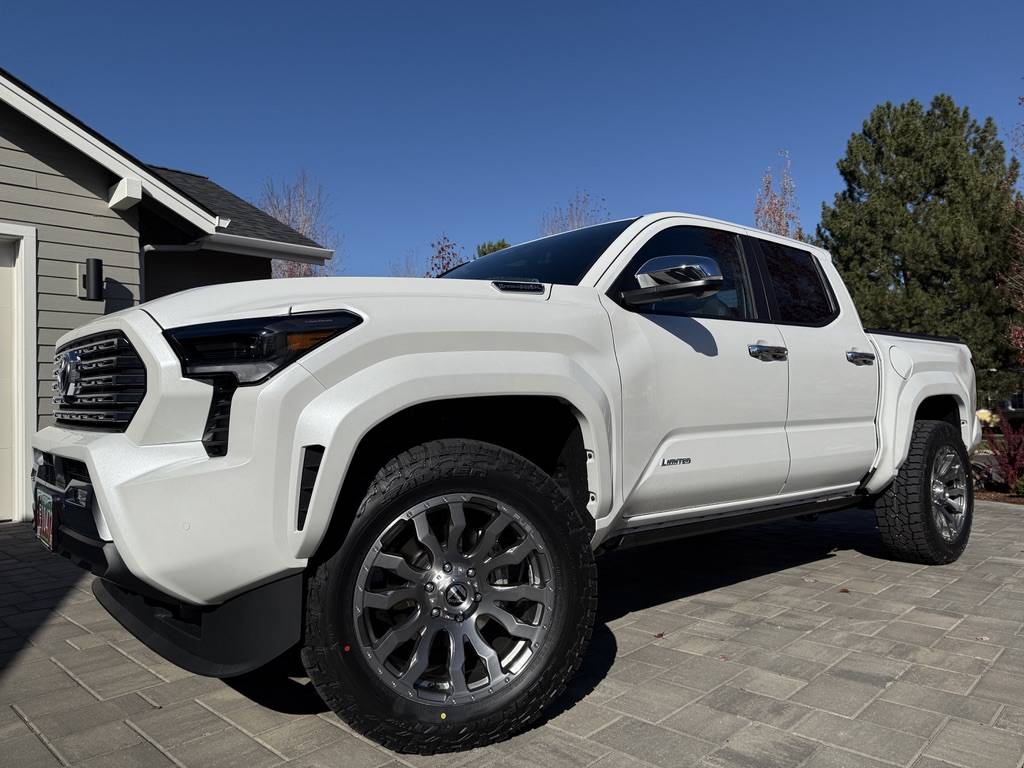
column 100, row 382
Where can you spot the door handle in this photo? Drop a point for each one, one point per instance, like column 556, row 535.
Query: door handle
column 767, row 353
column 860, row 358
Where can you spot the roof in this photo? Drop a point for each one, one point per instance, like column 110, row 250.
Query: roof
column 246, row 219
column 228, row 222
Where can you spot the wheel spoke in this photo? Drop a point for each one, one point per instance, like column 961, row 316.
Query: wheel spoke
column 385, row 601
column 395, row 636
column 397, row 565
column 457, row 527
column 510, row 623
column 513, row 556
column 489, row 537
column 457, row 663
column 487, row 654
column 420, row 657
column 515, row 592
column 427, row 538
column 942, row 468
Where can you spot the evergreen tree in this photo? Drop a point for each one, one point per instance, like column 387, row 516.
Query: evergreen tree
column 491, row 246
column 922, row 231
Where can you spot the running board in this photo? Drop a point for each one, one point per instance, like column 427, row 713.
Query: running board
column 681, row 529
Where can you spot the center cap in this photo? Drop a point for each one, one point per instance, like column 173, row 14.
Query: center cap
column 456, row 594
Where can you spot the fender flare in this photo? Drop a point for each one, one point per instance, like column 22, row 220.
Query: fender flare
column 900, row 399
column 341, row 416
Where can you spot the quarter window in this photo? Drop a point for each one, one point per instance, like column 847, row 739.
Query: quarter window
column 801, row 295
column 735, row 299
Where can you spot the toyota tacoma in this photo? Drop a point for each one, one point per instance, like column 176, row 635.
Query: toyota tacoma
column 409, row 479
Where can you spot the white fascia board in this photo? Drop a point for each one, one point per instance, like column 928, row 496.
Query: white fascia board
column 126, row 193
column 105, row 155
column 268, row 249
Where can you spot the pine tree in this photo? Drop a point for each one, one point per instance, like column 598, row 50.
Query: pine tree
column 922, row 232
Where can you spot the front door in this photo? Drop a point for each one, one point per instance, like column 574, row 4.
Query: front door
column 704, row 420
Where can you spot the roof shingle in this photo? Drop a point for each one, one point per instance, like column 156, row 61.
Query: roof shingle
column 246, row 219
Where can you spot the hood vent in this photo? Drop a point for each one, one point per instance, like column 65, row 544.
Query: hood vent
column 518, row 286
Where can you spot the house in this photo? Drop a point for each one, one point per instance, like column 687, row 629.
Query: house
column 67, row 194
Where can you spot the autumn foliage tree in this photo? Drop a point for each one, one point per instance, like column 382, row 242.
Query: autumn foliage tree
column 303, row 204
column 775, row 208
column 445, row 255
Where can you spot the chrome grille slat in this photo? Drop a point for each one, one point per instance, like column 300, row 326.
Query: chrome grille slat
column 111, row 386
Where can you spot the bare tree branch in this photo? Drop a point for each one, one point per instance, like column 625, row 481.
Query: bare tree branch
column 582, row 210
column 302, row 204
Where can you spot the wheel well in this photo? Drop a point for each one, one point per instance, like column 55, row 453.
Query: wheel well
column 544, row 430
column 940, row 408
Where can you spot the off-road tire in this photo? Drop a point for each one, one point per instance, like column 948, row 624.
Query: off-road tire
column 346, row 681
column 903, row 511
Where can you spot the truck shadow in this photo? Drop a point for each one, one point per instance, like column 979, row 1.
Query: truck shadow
column 631, row 581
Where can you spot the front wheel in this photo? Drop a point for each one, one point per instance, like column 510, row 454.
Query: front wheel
column 925, row 515
column 459, row 605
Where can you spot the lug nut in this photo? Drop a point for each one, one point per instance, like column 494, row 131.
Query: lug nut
column 471, row 573
column 460, row 617
column 429, row 586
column 435, row 612
column 447, row 567
column 477, row 597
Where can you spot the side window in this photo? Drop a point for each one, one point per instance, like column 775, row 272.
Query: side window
column 801, row 295
column 734, row 301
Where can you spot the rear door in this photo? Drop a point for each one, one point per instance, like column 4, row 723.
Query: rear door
column 833, row 379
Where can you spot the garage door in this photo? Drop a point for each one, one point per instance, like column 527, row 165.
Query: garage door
column 6, row 380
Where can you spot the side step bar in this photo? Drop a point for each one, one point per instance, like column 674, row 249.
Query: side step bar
column 681, row 529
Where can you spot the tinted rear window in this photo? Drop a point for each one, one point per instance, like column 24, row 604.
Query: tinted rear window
column 801, row 295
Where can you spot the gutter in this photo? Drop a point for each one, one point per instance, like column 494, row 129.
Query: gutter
column 249, row 246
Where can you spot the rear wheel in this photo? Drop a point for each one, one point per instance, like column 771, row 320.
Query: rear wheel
column 925, row 515
column 458, row 606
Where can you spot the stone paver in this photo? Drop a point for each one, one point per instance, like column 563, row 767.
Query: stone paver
column 793, row 645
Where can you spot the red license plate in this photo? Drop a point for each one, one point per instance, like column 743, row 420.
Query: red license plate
column 44, row 518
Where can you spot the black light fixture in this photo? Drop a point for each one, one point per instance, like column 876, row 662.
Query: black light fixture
column 93, row 279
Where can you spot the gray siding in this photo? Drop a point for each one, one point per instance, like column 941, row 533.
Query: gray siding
column 47, row 184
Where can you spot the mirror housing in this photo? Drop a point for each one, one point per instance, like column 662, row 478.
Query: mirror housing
column 673, row 277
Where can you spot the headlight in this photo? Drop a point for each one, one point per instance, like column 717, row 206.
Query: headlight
column 253, row 350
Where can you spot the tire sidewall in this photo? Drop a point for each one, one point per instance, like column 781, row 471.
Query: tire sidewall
column 944, row 435
column 355, row 674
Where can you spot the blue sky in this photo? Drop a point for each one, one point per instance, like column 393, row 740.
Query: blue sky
column 474, row 118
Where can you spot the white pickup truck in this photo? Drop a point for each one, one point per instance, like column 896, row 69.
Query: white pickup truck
column 409, row 479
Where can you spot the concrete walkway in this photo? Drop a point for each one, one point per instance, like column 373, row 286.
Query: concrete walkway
column 793, row 644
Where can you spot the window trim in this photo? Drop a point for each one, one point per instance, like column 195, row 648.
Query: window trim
column 749, row 256
column 769, row 289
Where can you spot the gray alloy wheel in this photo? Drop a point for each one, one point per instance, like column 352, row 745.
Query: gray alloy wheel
column 948, row 492
column 454, row 599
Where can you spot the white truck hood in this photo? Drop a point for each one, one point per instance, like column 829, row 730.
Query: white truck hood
column 256, row 298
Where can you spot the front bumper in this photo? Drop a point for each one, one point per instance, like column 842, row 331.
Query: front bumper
column 225, row 640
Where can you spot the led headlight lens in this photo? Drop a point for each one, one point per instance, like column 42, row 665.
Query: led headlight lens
column 253, row 350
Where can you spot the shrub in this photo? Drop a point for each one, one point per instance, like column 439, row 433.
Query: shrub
column 1018, row 487
column 1009, row 452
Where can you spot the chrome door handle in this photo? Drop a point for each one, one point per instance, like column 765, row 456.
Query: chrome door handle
column 860, row 358
column 767, row 353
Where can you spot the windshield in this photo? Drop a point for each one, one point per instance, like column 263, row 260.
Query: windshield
column 563, row 259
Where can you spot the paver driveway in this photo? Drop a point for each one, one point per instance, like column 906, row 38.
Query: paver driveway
column 793, row 644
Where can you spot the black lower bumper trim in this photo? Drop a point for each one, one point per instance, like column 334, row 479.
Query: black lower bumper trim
column 230, row 639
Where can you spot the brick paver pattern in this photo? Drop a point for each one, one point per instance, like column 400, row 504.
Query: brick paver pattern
column 793, row 644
